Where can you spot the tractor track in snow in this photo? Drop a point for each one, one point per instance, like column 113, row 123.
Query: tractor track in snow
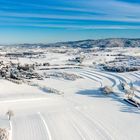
column 46, row 126
column 88, row 125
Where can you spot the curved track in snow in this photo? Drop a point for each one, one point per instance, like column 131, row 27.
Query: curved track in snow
column 75, row 117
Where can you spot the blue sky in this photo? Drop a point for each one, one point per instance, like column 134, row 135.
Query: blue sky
column 44, row 21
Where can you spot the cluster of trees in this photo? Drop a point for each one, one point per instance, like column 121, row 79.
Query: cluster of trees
column 120, row 68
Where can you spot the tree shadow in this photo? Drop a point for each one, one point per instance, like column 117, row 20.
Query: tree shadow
column 124, row 106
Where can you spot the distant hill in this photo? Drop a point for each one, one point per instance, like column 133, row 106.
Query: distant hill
column 101, row 43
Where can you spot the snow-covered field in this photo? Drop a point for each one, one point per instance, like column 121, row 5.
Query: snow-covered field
column 80, row 112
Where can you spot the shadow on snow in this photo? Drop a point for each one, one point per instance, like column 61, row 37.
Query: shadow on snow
column 124, row 106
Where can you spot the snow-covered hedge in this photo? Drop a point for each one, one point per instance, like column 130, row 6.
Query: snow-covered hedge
column 64, row 75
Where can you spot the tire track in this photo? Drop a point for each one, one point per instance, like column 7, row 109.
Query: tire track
column 102, row 75
column 46, row 126
column 92, row 127
column 91, row 78
column 28, row 128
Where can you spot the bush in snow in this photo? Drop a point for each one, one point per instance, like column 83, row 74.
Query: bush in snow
column 107, row 90
column 123, row 85
column 4, row 134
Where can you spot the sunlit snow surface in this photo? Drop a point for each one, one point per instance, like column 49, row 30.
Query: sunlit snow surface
column 82, row 112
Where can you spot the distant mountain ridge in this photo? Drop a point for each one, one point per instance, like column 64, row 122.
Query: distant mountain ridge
column 101, row 43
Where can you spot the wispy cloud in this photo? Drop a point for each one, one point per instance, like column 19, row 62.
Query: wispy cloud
column 70, row 17
column 79, row 10
column 64, row 26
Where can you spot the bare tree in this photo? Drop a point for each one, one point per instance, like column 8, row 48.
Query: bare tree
column 9, row 113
